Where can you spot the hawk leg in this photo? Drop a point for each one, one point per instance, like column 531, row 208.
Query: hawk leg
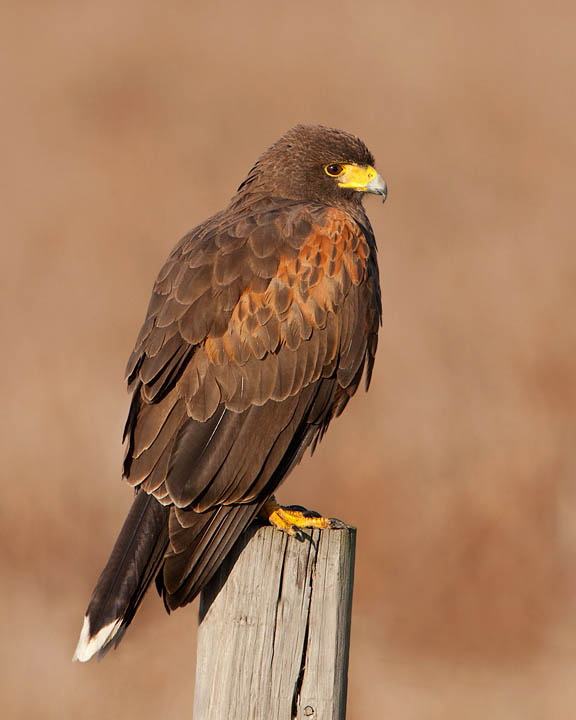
column 290, row 518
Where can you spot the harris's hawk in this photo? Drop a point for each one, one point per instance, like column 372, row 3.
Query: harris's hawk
column 261, row 324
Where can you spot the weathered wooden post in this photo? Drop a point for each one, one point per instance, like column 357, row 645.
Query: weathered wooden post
column 275, row 629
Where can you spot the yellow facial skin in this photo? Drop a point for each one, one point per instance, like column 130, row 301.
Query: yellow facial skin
column 356, row 177
column 362, row 178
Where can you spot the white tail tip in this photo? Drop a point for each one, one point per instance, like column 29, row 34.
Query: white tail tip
column 88, row 646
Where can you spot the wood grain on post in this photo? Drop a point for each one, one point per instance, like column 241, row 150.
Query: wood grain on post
column 275, row 629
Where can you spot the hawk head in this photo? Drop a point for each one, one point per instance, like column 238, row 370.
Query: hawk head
column 316, row 163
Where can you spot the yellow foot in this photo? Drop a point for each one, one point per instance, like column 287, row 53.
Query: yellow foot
column 290, row 518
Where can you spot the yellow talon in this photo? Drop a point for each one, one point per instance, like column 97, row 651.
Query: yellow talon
column 292, row 517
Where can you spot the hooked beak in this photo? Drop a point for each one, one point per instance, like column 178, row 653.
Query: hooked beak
column 362, row 179
column 378, row 186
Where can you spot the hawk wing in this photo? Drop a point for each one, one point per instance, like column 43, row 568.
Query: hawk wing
column 257, row 334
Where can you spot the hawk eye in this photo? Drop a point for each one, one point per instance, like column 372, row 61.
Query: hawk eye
column 334, row 170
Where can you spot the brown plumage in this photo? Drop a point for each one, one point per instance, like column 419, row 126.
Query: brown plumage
column 261, row 324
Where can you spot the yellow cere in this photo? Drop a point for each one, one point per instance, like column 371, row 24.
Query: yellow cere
column 356, row 177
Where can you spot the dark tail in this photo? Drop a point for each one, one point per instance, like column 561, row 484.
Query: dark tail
column 135, row 560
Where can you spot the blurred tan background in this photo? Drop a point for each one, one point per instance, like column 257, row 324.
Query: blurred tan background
column 126, row 123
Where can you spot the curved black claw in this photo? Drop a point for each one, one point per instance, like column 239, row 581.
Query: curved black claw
column 299, row 534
